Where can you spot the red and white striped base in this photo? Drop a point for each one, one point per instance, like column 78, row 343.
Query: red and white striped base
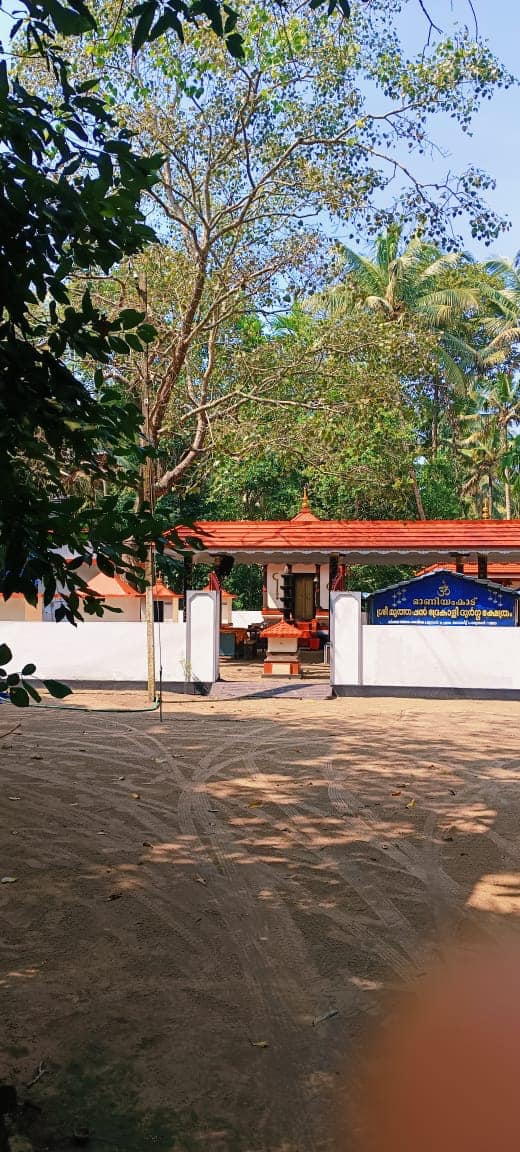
column 285, row 668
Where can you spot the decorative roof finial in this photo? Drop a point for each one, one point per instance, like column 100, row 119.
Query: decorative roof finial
column 486, row 508
column 305, row 499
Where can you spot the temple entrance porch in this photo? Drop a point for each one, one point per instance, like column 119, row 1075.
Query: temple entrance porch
column 305, row 564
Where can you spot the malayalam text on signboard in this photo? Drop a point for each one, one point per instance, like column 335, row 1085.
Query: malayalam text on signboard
column 444, row 598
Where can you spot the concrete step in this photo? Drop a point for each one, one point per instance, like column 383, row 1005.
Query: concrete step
column 266, row 690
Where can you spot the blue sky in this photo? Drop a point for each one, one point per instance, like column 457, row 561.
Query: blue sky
column 495, row 141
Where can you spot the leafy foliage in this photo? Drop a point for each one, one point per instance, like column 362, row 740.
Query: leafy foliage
column 71, row 186
column 131, row 157
column 21, row 690
column 251, row 173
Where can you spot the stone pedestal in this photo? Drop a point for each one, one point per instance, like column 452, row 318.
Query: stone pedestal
column 282, row 650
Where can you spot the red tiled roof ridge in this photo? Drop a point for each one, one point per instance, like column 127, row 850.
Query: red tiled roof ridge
column 508, row 567
column 309, row 518
column 161, row 589
column 344, row 535
column 305, row 516
column 283, row 628
column 128, row 589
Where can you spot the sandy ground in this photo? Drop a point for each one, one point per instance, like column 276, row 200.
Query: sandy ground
column 192, row 897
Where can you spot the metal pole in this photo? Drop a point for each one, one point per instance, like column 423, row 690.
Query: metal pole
column 148, row 496
column 150, row 632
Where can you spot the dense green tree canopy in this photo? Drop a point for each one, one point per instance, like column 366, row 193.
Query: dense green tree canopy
column 259, row 157
column 170, row 172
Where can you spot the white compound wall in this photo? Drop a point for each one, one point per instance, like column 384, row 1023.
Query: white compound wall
column 414, row 656
column 115, row 652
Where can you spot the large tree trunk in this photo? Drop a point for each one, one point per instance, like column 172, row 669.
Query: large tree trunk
column 507, row 493
column 435, row 419
column 507, row 474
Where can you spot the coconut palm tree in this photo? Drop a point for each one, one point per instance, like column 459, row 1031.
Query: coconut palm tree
column 503, row 403
column 501, row 320
column 479, row 451
column 418, row 284
column 492, row 411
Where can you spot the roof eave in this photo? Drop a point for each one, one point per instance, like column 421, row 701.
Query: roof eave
column 367, row 555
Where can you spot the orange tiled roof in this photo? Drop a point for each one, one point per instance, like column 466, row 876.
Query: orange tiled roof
column 161, row 592
column 115, row 585
column 102, row 585
column 495, row 571
column 306, row 532
column 281, row 629
column 224, row 594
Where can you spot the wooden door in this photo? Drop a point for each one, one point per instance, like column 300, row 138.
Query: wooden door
column 304, row 597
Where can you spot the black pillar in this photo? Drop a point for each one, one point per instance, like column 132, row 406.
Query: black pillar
column 482, row 566
column 288, row 593
column 333, row 572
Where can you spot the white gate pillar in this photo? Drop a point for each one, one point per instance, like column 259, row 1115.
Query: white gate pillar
column 202, row 637
column 346, row 640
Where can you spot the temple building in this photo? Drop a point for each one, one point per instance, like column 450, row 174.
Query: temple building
column 305, row 558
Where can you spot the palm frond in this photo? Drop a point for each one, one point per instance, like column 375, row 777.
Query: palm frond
column 503, row 269
column 503, row 339
column 455, row 346
column 387, row 247
column 453, row 374
column 449, row 304
column 364, row 272
column 446, row 263
column 499, row 296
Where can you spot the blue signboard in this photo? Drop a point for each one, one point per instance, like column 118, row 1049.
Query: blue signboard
column 444, row 597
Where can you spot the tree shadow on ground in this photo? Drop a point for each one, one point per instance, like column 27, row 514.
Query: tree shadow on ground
column 220, row 903
column 95, row 1103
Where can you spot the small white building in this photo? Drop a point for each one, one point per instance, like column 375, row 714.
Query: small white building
column 127, row 603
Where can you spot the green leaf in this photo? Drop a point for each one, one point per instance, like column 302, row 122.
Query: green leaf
column 235, row 45
column 211, row 9
column 59, row 691
column 147, row 333
column 231, row 19
column 169, row 20
column 81, row 7
column 28, row 669
column 118, row 345
column 18, row 697
column 4, row 85
column 130, row 317
column 68, row 22
column 105, row 566
column 106, row 170
column 32, row 691
column 143, row 25
column 5, row 654
column 13, row 679
column 87, row 85
column 133, row 341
